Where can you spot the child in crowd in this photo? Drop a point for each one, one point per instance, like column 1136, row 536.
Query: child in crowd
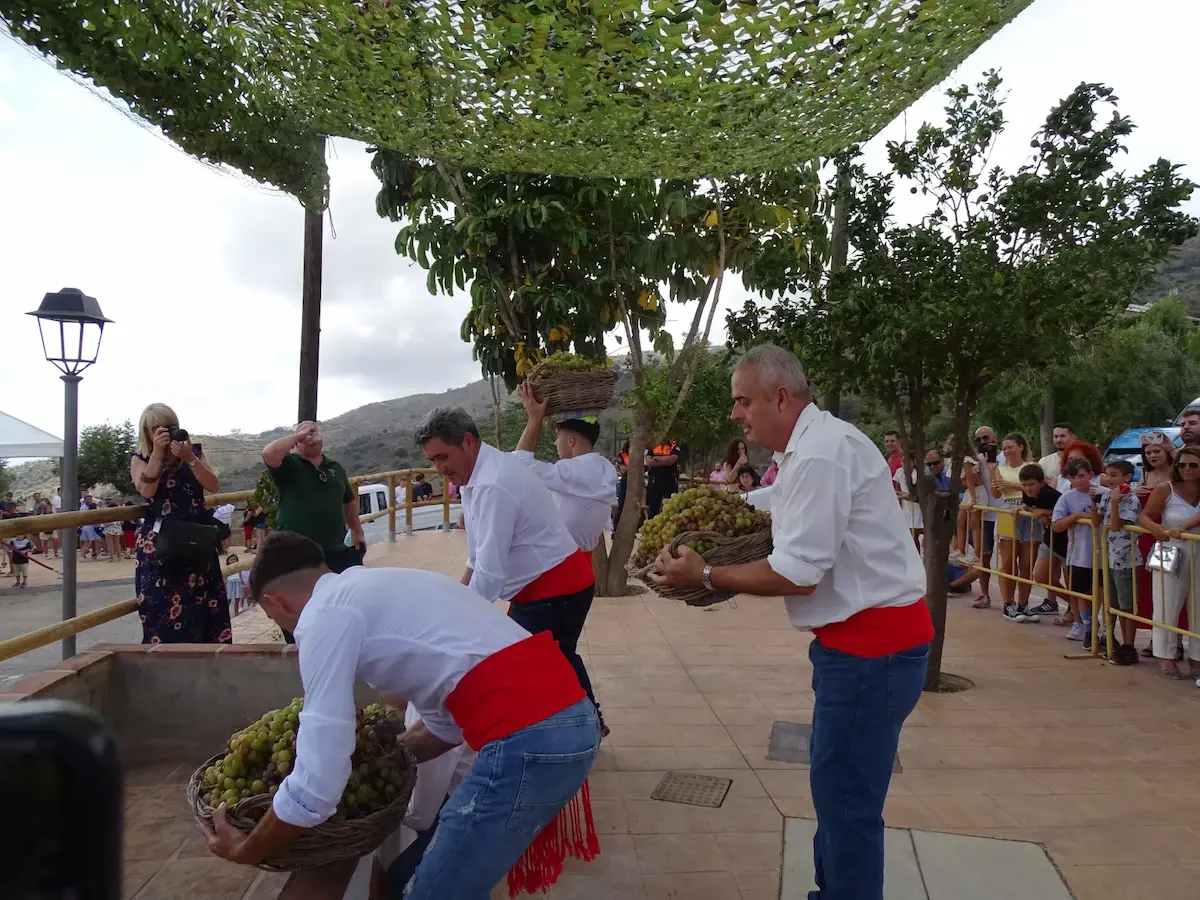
column 1040, row 497
column 19, row 549
column 1076, row 514
column 235, row 586
column 1120, row 507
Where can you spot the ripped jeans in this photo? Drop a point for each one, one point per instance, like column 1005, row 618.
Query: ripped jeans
column 515, row 789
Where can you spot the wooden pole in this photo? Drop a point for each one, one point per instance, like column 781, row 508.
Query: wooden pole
column 310, row 313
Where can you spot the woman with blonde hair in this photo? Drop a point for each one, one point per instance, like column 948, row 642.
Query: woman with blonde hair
column 180, row 593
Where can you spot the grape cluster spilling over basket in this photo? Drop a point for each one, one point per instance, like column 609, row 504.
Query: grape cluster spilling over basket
column 719, row 525
column 261, row 755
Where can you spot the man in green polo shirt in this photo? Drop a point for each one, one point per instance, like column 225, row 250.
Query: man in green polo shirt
column 315, row 497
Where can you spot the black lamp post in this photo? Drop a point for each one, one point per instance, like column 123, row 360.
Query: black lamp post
column 71, row 324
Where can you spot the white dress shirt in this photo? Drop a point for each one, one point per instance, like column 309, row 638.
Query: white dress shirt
column 836, row 525
column 584, row 488
column 405, row 632
column 514, row 529
column 1050, row 464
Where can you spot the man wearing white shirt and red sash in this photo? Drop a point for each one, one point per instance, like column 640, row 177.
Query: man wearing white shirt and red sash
column 584, row 487
column 473, row 674
column 847, row 569
column 518, row 547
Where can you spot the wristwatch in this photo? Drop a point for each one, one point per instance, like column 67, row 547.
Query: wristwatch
column 706, row 579
column 192, row 463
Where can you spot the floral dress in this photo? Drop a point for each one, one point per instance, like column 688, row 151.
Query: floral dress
column 179, row 604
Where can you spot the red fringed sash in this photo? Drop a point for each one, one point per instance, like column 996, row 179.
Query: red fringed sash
column 572, row 833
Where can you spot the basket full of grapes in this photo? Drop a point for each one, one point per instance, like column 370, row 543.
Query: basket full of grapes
column 719, row 525
column 375, row 799
column 569, row 382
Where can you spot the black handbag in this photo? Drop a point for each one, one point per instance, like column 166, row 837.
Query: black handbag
column 180, row 541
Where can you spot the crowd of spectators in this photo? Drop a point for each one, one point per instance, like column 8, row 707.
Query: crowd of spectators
column 1073, row 526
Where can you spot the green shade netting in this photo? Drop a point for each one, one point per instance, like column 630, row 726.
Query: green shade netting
column 621, row 88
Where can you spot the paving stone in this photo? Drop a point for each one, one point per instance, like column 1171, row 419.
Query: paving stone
column 957, row 866
column 901, row 874
column 789, row 744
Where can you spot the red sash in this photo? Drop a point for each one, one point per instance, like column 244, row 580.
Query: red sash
column 570, row 576
column 880, row 631
column 512, row 689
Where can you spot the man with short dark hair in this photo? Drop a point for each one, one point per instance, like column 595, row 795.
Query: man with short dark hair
column 422, row 489
column 1189, row 425
column 936, row 466
column 895, row 458
column 845, row 565
column 1064, row 433
column 584, row 486
column 474, row 675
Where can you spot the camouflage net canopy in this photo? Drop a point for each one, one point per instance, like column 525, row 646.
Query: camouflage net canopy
column 609, row 88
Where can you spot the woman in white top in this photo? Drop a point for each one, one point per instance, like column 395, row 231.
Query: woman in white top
column 1177, row 505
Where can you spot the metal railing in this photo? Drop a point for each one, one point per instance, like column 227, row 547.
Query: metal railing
column 1165, row 583
column 75, row 625
column 1052, row 588
column 1104, row 613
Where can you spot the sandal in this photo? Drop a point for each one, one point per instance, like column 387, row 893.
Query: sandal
column 1171, row 674
column 1064, row 620
column 1147, row 652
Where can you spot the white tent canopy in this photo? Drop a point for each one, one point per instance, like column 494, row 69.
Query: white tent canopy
column 21, row 440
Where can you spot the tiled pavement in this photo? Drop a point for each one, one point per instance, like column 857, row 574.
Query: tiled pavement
column 1099, row 764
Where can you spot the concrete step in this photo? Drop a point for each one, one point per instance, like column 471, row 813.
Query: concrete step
column 926, row 865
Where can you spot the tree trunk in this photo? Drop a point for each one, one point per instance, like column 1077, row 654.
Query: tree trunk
column 496, row 416
column 635, row 491
column 833, row 402
column 940, row 512
column 1047, row 427
column 600, row 564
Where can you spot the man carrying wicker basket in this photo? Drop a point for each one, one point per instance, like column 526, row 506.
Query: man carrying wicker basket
column 584, row 486
column 518, row 546
column 847, row 569
column 474, row 675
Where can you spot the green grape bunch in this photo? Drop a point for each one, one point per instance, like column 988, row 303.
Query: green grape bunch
column 562, row 362
column 262, row 754
column 698, row 509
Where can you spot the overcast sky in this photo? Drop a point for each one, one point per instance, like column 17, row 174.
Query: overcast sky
column 200, row 269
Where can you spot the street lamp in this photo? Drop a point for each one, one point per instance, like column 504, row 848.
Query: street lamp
column 71, row 324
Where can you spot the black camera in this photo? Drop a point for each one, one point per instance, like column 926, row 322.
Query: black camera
column 178, row 434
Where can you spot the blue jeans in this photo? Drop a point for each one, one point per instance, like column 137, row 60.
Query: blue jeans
column 860, row 707
column 515, row 789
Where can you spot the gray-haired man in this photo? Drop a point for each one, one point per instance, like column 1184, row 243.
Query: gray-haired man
column 848, row 571
column 518, row 546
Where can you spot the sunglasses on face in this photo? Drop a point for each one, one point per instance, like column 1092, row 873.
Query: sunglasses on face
column 935, row 463
column 1188, row 465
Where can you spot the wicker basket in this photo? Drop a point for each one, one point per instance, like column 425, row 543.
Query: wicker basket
column 575, row 390
column 328, row 842
column 726, row 551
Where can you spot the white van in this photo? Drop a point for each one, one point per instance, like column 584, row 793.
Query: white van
column 373, row 498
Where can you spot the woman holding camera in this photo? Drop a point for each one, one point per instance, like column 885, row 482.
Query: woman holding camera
column 181, row 595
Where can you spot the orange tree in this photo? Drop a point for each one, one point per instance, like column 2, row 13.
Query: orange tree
column 556, row 263
column 1005, row 270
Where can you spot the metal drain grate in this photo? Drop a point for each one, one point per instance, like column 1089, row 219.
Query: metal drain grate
column 694, row 790
column 789, row 744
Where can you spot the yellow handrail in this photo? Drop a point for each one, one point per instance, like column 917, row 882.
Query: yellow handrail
column 49, row 634
column 76, row 518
